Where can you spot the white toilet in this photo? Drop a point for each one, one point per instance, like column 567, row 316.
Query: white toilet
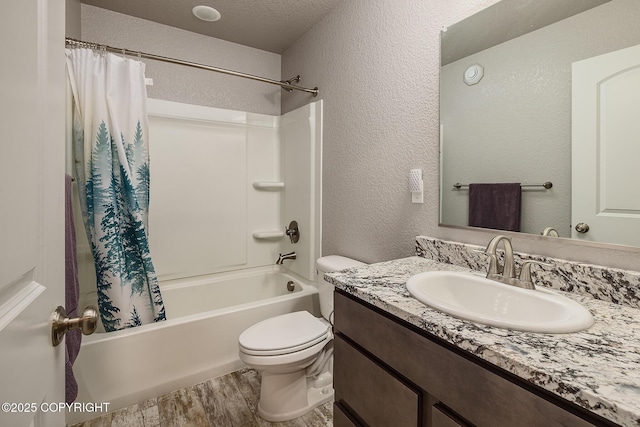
column 294, row 353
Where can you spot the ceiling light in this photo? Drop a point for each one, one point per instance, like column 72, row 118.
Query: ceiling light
column 206, row 13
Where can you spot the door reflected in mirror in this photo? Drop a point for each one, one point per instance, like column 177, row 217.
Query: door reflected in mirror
column 514, row 124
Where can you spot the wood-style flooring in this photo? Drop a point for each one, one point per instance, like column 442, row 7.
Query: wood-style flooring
column 227, row 401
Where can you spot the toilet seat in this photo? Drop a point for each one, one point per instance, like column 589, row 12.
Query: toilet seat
column 284, row 334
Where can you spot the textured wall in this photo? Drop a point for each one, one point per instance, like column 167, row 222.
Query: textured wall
column 376, row 63
column 183, row 84
column 72, row 18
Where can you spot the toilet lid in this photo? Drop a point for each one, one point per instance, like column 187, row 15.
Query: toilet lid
column 283, row 334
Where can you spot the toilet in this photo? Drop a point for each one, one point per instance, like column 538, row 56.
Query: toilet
column 294, row 353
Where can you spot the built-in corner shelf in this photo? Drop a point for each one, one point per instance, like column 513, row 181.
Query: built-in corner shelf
column 268, row 235
column 268, row 185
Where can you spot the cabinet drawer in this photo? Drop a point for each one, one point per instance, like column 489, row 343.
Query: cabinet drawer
column 442, row 417
column 341, row 419
column 370, row 392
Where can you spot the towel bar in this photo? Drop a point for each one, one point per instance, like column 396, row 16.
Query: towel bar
column 547, row 185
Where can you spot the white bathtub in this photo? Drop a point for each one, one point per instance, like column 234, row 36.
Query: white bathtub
column 198, row 341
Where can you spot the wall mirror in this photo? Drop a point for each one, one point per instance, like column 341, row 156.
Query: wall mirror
column 519, row 99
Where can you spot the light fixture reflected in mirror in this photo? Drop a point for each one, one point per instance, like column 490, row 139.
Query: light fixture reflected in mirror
column 473, row 74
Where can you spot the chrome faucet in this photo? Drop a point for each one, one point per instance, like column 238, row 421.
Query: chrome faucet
column 494, row 272
column 282, row 257
column 507, row 274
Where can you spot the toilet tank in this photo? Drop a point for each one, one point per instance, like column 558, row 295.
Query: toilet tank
column 328, row 264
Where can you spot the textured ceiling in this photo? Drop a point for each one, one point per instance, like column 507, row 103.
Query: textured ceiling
column 505, row 21
column 271, row 25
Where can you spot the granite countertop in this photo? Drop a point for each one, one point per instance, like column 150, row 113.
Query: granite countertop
column 598, row 369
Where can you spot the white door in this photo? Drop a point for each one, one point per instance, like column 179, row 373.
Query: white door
column 606, row 148
column 31, row 210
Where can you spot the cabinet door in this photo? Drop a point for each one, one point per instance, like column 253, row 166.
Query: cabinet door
column 370, row 392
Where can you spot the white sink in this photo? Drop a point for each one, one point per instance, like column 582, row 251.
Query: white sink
column 476, row 298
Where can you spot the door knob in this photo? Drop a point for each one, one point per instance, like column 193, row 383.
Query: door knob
column 61, row 324
column 581, row 227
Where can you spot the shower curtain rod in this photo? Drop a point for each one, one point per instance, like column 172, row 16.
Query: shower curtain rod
column 286, row 85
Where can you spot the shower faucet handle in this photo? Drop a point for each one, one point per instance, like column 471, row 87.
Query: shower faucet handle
column 293, row 232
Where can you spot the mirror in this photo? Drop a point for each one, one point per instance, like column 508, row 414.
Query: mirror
column 506, row 109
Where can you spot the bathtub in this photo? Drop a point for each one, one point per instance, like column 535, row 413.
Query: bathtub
column 198, row 341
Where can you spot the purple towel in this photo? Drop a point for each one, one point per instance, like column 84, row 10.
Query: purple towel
column 495, row 206
column 72, row 293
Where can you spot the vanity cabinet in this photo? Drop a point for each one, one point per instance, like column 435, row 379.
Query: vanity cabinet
column 390, row 373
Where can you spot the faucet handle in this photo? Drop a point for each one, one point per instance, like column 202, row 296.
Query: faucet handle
column 525, row 271
column 493, row 261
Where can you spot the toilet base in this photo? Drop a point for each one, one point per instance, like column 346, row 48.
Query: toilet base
column 284, row 397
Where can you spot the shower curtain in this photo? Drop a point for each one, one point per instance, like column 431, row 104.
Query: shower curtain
column 110, row 135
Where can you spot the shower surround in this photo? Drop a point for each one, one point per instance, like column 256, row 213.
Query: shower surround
column 223, row 186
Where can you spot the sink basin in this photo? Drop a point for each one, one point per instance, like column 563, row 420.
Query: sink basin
column 473, row 297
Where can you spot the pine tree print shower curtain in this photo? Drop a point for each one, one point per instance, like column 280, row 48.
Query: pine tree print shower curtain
column 110, row 135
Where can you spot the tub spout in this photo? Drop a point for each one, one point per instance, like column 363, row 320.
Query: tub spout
column 282, row 257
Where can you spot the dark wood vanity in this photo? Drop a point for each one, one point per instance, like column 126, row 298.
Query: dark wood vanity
column 388, row 372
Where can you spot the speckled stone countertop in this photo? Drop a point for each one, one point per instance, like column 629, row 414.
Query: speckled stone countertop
column 598, row 369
